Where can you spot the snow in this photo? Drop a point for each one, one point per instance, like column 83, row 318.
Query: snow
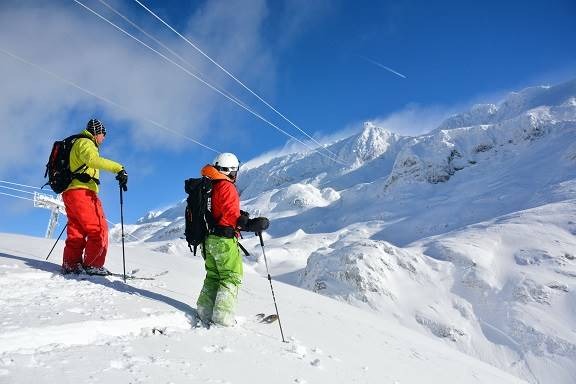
column 465, row 235
column 445, row 257
column 100, row 330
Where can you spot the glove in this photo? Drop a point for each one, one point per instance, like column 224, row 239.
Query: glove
column 242, row 221
column 257, row 225
column 122, row 178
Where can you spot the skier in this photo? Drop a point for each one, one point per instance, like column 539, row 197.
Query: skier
column 223, row 262
column 87, row 231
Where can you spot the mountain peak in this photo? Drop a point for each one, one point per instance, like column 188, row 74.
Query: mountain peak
column 371, row 143
column 515, row 104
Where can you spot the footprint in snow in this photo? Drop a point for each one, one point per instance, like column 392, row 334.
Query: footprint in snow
column 316, row 363
column 214, row 348
column 296, row 348
column 6, row 361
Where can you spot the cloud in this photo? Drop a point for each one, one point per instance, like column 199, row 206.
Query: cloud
column 288, row 148
column 380, row 65
column 300, row 15
column 416, row 119
column 67, row 40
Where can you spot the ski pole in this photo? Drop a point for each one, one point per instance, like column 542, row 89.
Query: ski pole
column 271, row 288
column 56, row 242
column 122, row 227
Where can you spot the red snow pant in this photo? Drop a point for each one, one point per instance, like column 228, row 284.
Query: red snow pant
column 87, row 229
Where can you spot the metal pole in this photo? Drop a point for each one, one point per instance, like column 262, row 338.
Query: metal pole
column 56, row 242
column 271, row 288
column 122, row 227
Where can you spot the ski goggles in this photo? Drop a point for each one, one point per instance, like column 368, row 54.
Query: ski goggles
column 229, row 171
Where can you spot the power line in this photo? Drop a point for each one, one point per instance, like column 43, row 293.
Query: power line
column 26, row 198
column 72, row 84
column 119, row 106
column 20, row 185
column 16, row 189
column 234, row 77
column 234, row 100
column 187, row 71
column 175, row 54
column 18, row 197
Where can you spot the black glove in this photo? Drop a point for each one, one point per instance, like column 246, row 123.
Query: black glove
column 257, row 225
column 122, row 178
column 242, row 221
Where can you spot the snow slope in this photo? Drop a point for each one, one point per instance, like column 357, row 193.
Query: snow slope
column 464, row 234
column 67, row 329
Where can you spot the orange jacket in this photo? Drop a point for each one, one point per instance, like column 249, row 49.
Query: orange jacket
column 225, row 201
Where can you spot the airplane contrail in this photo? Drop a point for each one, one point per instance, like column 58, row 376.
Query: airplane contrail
column 382, row 66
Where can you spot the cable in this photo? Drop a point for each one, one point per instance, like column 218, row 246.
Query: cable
column 242, row 105
column 21, row 185
column 16, row 189
column 25, row 198
column 18, row 197
column 179, row 57
column 71, row 83
column 234, row 100
column 232, row 76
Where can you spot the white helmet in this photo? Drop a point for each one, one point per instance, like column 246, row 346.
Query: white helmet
column 227, row 164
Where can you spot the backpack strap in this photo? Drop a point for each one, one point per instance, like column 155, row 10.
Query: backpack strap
column 79, row 174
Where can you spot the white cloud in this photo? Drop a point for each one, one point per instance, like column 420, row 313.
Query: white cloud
column 35, row 109
column 290, row 147
column 415, row 119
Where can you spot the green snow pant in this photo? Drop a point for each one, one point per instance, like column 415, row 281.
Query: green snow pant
column 223, row 265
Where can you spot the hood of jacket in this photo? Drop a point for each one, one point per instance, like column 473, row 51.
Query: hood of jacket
column 212, row 173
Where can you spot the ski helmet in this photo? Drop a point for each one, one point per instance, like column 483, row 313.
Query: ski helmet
column 95, row 127
column 227, row 164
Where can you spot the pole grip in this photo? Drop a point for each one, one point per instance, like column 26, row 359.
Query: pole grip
column 261, row 240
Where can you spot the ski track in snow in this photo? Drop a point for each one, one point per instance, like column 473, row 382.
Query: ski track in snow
column 32, row 292
column 96, row 330
column 75, row 300
column 28, row 340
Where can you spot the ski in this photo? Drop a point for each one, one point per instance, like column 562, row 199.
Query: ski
column 262, row 318
column 133, row 276
column 84, row 276
column 129, row 277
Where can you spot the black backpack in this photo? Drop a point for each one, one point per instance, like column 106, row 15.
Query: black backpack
column 58, row 166
column 198, row 218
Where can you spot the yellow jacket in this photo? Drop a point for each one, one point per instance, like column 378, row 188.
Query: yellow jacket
column 85, row 151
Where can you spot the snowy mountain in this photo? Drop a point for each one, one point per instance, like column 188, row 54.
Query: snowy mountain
column 465, row 234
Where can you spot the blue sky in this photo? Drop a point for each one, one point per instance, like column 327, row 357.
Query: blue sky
column 321, row 63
